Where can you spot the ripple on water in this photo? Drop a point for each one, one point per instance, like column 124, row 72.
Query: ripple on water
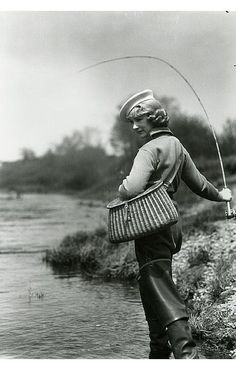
column 48, row 315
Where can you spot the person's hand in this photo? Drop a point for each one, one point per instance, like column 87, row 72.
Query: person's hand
column 225, row 195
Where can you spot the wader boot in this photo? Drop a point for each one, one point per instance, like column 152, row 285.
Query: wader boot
column 159, row 344
column 164, row 306
column 180, row 336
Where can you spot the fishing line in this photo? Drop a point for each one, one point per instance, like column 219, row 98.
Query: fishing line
column 191, row 87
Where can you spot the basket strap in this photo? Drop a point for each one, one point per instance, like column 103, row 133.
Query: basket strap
column 170, row 177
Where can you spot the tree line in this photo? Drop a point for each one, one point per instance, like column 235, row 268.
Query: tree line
column 80, row 162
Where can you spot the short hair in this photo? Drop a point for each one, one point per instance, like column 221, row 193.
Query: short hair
column 151, row 109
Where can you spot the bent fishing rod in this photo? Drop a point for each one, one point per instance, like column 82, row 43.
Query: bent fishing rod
column 230, row 213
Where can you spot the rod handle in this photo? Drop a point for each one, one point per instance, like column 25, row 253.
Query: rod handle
column 228, row 214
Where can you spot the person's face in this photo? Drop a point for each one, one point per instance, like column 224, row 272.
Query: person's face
column 141, row 126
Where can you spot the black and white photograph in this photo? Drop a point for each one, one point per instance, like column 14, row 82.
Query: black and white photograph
column 117, row 184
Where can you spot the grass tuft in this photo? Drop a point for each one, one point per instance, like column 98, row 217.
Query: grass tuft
column 198, row 256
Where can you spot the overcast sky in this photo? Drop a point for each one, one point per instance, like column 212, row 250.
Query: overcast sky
column 43, row 97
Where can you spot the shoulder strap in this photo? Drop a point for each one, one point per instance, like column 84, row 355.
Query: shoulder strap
column 175, row 169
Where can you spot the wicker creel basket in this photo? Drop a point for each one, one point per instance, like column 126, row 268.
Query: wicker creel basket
column 145, row 214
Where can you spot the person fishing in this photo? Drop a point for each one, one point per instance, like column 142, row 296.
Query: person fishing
column 162, row 154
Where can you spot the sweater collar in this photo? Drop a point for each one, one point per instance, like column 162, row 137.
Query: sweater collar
column 160, row 131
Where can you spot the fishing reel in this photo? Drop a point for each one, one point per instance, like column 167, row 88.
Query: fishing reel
column 230, row 213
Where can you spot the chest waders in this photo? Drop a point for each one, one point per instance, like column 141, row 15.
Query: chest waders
column 164, row 309
column 165, row 313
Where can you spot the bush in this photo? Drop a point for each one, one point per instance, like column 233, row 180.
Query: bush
column 94, row 254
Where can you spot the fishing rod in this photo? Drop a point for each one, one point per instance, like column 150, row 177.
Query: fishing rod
column 230, row 213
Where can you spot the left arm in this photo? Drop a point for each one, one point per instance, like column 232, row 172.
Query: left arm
column 143, row 166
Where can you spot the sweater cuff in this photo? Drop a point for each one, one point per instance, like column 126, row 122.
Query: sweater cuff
column 123, row 192
column 219, row 199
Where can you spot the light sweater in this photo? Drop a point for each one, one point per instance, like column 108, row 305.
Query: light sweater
column 156, row 160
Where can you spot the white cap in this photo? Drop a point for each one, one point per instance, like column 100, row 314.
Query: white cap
column 133, row 101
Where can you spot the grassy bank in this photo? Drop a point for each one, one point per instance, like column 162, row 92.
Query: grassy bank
column 204, row 271
column 95, row 256
column 205, row 274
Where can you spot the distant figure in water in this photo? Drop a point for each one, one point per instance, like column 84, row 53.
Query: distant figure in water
column 18, row 194
column 14, row 194
column 165, row 311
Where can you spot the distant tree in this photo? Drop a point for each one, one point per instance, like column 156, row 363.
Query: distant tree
column 91, row 136
column 27, row 154
column 170, row 104
column 70, row 144
column 77, row 141
column 194, row 134
column 125, row 144
column 123, row 140
column 49, row 153
column 228, row 138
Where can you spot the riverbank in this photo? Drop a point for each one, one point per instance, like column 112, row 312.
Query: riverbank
column 204, row 271
column 205, row 274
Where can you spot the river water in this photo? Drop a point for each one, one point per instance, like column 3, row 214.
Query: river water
column 53, row 315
